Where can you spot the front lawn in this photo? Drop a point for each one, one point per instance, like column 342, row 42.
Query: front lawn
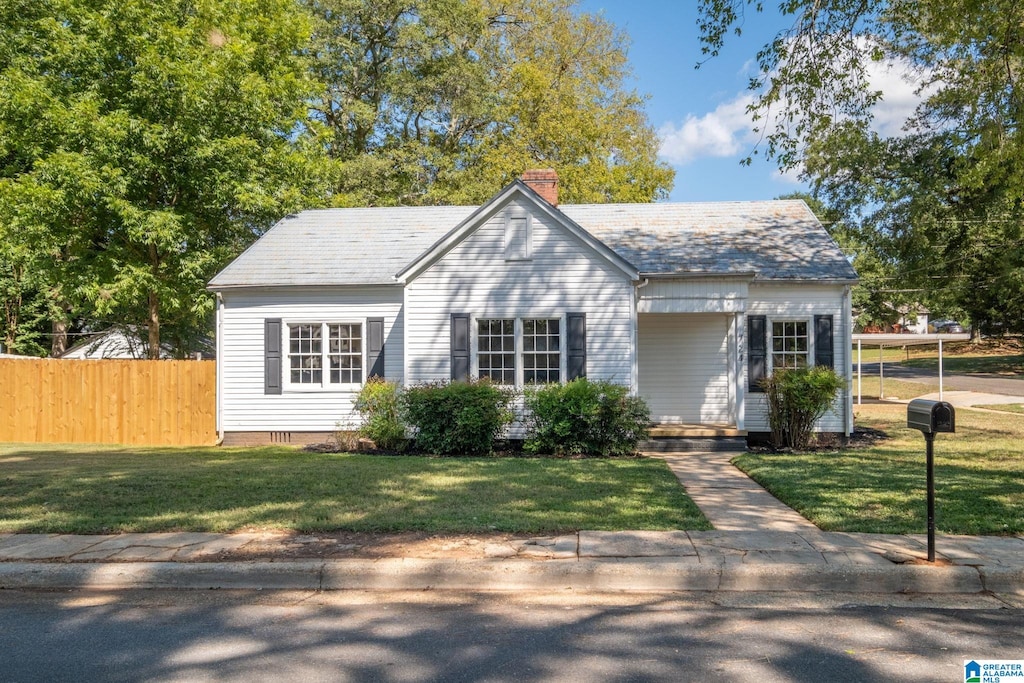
column 1005, row 407
column 99, row 489
column 979, row 477
column 1010, row 365
column 893, row 388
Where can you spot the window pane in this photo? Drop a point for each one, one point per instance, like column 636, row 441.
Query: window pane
column 495, row 350
column 345, row 357
column 304, row 353
column 540, row 351
column 790, row 344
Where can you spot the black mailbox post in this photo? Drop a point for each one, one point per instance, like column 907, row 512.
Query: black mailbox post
column 931, row 417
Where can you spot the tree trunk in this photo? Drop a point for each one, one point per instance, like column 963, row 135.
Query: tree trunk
column 59, row 339
column 154, row 326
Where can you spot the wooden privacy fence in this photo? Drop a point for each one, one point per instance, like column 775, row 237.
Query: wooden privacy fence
column 137, row 402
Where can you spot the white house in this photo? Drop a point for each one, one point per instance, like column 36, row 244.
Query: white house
column 687, row 304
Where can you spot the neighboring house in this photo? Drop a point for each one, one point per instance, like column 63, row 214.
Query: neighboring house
column 912, row 319
column 123, row 343
column 689, row 305
column 112, row 343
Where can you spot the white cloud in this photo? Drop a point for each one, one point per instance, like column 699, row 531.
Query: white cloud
column 728, row 130
column 899, row 96
column 723, row 132
column 790, row 176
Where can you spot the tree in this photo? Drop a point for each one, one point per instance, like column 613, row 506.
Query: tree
column 444, row 101
column 942, row 199
column 144, row 144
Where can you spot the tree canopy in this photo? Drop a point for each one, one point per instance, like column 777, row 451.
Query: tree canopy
column 445, row 101
column 939, row 201
column 145, row 144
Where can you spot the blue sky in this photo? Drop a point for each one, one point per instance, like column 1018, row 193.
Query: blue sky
column 699, row 113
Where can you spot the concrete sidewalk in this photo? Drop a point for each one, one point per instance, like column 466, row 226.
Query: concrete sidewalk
column 588, row 561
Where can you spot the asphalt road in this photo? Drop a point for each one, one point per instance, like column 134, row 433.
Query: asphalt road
column 987, row 384
column 251, row 636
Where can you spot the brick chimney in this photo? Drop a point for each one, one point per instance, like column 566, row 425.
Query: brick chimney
column 543, row 181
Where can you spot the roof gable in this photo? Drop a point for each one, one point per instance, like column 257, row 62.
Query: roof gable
column 497, row 203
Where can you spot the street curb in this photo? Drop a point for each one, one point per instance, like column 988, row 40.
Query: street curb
column 1003, row 579
column 677, row 574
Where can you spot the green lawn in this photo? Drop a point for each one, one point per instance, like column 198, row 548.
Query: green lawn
column 893, row 388
column 979, row 475
column 1006, row 407
column 1005, row 364
column 99, row 489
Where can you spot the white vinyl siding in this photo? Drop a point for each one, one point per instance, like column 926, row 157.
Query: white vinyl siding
column 245, row 407
column 799, row 302
column 684, row 367
column 563, row 276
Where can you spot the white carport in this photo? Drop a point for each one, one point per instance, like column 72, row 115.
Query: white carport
column 883, row 341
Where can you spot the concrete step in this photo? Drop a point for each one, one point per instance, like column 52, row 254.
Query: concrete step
column 689, row 444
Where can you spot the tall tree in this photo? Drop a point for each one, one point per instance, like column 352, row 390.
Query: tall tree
column 443, row 101
column 944, row 197
column 142, row 144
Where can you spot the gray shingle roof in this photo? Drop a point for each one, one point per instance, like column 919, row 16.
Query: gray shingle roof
column 778, row 239
column 775, row 239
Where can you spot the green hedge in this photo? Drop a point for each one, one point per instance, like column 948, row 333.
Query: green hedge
column 584, row 417
column 457, row 418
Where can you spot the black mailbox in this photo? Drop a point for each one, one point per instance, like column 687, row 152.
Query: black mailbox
column 931, row 417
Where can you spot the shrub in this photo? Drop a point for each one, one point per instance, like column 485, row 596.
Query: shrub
column 379, row 405
column 796, row 399
column 585, row 418
column 457, row 418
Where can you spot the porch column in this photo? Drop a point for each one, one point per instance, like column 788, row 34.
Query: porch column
column 738, row 354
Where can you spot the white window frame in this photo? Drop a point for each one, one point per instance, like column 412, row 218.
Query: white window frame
column 808, row 322
column 515, row 346
column 325, row 385
column 519, row 344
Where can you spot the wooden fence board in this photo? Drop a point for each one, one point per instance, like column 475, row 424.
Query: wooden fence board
column 135, row 402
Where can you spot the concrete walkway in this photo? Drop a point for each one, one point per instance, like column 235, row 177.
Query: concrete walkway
column 730, row 499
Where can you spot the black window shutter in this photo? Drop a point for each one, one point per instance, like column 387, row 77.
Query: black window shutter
column 757, row 351
column 272, row 356
column 460, row 347
column 375, row 347
column 576, row 343
column 823, row 353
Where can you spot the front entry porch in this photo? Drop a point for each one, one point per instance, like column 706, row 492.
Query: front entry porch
column 687, row 372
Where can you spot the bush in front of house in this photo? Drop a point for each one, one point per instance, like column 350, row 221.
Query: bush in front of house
column 379, row 404
column 797, row 398
column 457, row 418
column 585, row 417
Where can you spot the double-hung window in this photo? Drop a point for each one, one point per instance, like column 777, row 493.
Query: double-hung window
column 790, row 344
column 309, row 356
column 542, row 358
column 496, row 350
column 515, row 351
